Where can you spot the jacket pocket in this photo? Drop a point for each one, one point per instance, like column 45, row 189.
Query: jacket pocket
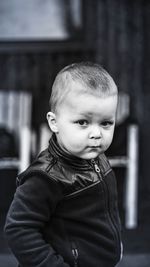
column 75, row 253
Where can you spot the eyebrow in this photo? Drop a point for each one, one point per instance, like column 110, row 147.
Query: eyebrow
column 85, row 114
column 91, row 114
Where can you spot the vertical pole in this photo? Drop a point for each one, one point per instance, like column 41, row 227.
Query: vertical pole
column 131, row 193
column 25, row 147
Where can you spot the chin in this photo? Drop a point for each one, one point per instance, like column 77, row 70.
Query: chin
column 90, row 156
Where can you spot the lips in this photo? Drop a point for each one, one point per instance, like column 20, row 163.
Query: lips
column 95, row 146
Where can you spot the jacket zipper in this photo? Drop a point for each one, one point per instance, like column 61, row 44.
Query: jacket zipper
column 113, row 225
column 75, row 254
column 96, row 168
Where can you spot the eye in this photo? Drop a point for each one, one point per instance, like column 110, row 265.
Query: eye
column 82, row 122
column 107, row 124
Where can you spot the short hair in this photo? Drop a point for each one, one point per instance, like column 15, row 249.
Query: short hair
column 92, row 76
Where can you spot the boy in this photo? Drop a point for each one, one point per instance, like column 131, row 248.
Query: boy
column 64, row 212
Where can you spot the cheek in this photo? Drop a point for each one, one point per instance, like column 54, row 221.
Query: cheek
column 68, row 135
column 109, row 136
column 71, row 135
column 75, row 140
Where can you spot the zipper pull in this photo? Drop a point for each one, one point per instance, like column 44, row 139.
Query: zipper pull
column 97, row 169
column 75, row 255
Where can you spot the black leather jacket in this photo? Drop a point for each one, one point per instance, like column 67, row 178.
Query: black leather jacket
column 65, row 213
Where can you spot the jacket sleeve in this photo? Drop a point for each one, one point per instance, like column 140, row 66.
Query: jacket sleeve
column 34, row 202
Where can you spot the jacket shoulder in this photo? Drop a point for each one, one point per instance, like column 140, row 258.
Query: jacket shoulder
column 40, row 166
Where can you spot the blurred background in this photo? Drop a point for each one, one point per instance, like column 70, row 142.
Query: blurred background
column 37, row 39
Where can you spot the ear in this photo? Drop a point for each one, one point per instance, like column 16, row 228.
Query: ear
column 51, row 118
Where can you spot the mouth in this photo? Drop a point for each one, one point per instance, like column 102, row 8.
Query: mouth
column 97, row 146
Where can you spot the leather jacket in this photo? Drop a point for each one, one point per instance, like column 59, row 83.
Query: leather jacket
column 65, row 212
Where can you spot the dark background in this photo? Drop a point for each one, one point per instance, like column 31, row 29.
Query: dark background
column 115, row 34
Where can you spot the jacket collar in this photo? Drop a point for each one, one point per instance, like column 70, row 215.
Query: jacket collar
column 70, row 160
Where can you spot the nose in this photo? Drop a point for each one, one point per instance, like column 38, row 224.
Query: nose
column 95, row 132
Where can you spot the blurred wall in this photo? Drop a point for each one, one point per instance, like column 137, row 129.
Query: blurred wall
column 123, row 46
column 113, row 33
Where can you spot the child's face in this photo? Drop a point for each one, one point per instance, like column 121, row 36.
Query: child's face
column 85, row 124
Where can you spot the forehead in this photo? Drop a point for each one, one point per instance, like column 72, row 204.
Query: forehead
column 89, row 104
column 65, row 86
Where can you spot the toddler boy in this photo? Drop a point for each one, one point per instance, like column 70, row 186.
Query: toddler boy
column 64, row 212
